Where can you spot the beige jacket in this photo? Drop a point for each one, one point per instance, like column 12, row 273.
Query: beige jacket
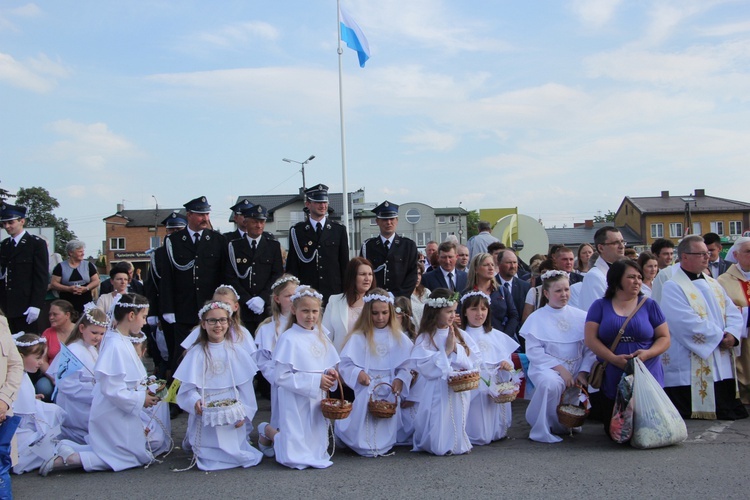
column 11, row 366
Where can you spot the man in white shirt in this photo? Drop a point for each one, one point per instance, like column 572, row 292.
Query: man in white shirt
column 609, row 243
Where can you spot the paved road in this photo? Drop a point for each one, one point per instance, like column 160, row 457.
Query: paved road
column 713, row 463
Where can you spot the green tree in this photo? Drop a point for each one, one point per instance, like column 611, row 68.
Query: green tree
column 40, row 205
column 608, row 217
column 472, row 221
column 4, row 195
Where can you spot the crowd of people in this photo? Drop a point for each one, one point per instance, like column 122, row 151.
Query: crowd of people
column 226, row 316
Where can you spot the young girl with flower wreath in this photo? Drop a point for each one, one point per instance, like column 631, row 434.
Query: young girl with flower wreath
column 267, row 336
column 488, row 421
column 440, row 349
column 375, row 352
column 76, row 391
column 305, row 362
column 217, row 391
column 40, row 422
column 116, row 437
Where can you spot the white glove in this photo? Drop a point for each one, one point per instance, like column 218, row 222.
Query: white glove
column 256, row 305
column 32, row 314
column 169, row 318
column 153, row 320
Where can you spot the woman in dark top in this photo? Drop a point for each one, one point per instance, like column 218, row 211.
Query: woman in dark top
column 646, row 336
column 482, row 272
column 75, row 278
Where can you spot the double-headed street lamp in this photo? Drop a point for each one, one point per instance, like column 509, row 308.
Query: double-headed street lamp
column 301, row 163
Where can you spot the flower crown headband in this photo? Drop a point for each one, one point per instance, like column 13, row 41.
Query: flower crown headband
column 236, row 295
column 131, row 305
column 88, row 307
column 442, row 301
column 376, row 296
column 474, row 293
column 16, row 336
column 138, row 339
column 214, row 305
column 305, row 291
column 283, row 280
column 554, row 273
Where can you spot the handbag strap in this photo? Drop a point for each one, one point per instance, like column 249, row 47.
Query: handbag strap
column 625, row 325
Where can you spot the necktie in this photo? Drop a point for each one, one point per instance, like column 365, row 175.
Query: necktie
column 253, row 245
column 14, row 243
column 197, row 237
column 387, row 244
column 451, row 286
column 506, row 285
column 318, row 228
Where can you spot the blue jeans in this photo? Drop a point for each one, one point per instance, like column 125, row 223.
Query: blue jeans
column 46, row 387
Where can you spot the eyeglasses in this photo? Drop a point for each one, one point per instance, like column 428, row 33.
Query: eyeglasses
column 704, row 255
column 215, row 321
column 619, row 243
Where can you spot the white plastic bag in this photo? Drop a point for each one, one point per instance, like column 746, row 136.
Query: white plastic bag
column 656, row 421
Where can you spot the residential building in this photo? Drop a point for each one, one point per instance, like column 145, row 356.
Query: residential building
column 674, row 217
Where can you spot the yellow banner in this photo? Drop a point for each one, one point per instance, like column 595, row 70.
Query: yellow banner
column 172, row 393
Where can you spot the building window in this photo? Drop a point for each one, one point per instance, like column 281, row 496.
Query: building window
column 657, row 230
column 735, row 227
column 295, row 217
column 413, row 216
column 374, row 221
column 452, row 219
column 675, row 229
column 423, row 238
column 697, row 228
column 717, row 227
column 444, row 236
column 117, row 243
column 441, row 219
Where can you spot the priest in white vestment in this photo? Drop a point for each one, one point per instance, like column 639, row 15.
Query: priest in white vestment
column 706, row 326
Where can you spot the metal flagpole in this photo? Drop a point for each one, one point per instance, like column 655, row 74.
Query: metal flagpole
column 343, row 133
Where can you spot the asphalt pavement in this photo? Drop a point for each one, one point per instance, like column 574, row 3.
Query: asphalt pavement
column 712, row 463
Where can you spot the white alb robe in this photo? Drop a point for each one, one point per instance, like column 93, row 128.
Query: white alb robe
column 227, row 372
column 553, row 337
column 367, row 435
column 440, row 421
column 265, row 341
column 691, row 333
column 489, row 421
column 75, row 392
column 39, row 427
column 301, row 357
column 594, row 285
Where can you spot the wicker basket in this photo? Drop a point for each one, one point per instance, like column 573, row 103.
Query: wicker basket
column 573, row 415
column 464, row 381
column 506, row 398
column 336, row 409
column 381, row 408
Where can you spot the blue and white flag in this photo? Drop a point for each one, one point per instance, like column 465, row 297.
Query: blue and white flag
column 353, row 37
column 67, row 363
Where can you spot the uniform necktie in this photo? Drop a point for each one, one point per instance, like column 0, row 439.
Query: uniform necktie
column 451, row 286
column 253, row 245
column 506, row 285
column 197, row 237
column 318, row 228
column 387, row 244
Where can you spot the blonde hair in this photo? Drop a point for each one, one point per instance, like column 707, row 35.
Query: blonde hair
column 407, row 319
column 95, row 314
column 276, row 312
column 365, row 326
column 203, row 334
column 309, row 293
column 235, row 322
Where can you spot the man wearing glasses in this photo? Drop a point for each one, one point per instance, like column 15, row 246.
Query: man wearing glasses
column 706, row 329
column 611, row 247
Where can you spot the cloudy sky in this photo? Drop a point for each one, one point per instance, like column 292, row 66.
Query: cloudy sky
column 558, row 108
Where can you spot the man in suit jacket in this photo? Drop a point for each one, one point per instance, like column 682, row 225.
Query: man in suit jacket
column 510, row 282
column 239, row 220
column 446, row 275
column 196, row 263
column 393, row 257
column 564, row 260
column 255, row 263
column 318, row 247
column 716, row 265
column 24, row 271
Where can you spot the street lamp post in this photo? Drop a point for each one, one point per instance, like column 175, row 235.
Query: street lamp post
column 302, row 164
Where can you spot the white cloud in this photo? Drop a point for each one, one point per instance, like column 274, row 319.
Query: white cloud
column 723, row 30
column 92, row 146
column 595, row 13
column 238, row 34
column 431, row 140
column 28, row 10
column 24, row 11
column 429, row 23
column 37, row 74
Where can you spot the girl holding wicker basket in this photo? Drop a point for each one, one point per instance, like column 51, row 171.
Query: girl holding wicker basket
column 489, row 412
column 217, row 392
column 441, row 354
column 558, row 358
column 305, row 363
column 374, row 361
